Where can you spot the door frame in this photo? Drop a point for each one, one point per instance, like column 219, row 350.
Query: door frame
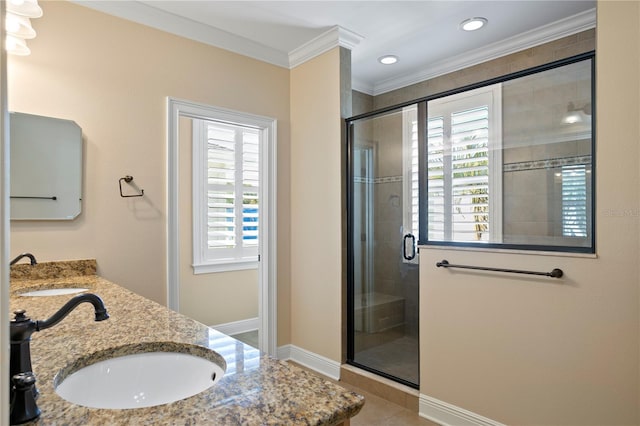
column 267, row 267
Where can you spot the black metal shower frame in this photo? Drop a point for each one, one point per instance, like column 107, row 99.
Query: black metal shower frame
column 422, row 238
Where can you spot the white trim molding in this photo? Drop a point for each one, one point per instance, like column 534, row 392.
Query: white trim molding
column 267, row 265
column 446, row 414
column 336, row 36
column 147, row 14
column 318, row 363
column 224, row 266
column 237, row 327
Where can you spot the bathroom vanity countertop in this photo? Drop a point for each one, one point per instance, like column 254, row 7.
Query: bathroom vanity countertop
column 255, row 390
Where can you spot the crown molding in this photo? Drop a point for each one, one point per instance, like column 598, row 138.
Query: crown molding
column 336, row 36
column 554, row 31
column 150, row 16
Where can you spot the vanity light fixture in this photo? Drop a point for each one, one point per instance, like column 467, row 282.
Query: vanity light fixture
column 16, row 46
column 388, row 59
column 18, row 25
column 473, row 24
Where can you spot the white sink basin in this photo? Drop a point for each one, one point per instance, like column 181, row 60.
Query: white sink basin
column 142, row 379
column 53, row 292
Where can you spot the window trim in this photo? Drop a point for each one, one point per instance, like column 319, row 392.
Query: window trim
column 201, row 263
column 268, row 269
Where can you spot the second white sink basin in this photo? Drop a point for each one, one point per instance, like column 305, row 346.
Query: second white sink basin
column 54, row 292
column 142, row 379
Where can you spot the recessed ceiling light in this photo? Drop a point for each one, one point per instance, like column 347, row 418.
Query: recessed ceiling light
column 473, row 24
column 388, row 59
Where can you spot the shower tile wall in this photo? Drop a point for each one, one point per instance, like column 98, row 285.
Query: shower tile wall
column 388, row 203
column 391, row 271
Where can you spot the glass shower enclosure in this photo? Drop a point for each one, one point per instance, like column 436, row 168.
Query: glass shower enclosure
column 382, row 235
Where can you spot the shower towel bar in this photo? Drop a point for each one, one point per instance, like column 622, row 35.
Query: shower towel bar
column 555, row 273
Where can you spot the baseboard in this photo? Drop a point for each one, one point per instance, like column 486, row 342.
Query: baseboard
column 236, row 327
column 322, row 365
column 447, row 414
column 284, row 352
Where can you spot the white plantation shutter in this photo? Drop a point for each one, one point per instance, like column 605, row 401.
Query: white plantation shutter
column 411, row 177
column 574, row 201
column 233, row 174
column 250, row 187
column 221, row 173
column 463, row 168
column 435, row 178
column 415, row 179
column 470, row 174
column 230, row 217
column 411, row 174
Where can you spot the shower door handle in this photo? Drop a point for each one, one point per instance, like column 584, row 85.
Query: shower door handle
column 412, row 247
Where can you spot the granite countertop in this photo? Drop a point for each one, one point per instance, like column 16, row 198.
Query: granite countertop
column 255, row 390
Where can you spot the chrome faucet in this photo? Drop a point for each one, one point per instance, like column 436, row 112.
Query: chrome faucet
column 31, row 257
column 22, row 387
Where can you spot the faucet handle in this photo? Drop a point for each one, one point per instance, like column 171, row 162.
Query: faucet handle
column 23, row 406
column 24, row 381
column 21, row 327
column 20, row 315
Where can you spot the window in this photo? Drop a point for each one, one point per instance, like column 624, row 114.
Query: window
column 226, row 195
column 574, row 201
column 509, row 164
column 464, row 167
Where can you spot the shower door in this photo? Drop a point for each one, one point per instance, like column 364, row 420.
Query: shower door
column 382, row 258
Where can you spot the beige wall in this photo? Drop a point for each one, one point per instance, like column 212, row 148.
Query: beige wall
column 316, row 264
column 112, row 77
column 219, row 298
column 540, row 351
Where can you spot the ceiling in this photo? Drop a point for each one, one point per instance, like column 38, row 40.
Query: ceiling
column 425, row 35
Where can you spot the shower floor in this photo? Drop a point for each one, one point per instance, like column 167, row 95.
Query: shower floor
column 399, row 358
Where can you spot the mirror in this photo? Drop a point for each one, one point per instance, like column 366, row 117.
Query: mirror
column 46, row 168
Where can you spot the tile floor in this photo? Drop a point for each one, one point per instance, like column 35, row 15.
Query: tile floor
column 376, row 411
column 250, row 338
column 379, row 412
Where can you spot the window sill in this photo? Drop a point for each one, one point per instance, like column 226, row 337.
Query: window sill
column 513, row 251
column 224, row 266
